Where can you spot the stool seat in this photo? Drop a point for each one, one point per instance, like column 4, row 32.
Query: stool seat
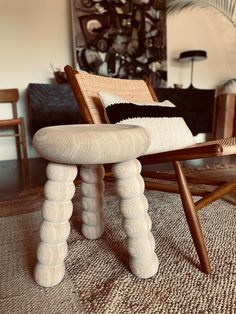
column 103, row 143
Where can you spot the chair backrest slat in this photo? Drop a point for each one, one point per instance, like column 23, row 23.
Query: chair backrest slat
column 10, row 96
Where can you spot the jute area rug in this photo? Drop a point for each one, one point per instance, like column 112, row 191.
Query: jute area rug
column 98, row 279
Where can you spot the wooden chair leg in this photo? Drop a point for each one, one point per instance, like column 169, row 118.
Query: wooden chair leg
column 23, row 140
column 17, row 138
column 192, row 218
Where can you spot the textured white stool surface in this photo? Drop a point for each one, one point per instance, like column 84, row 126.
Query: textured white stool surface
column 91, row 143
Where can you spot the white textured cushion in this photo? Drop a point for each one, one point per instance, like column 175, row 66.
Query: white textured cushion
column 167, row 129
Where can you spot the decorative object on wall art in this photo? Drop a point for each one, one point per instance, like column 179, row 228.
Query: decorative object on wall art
column 121, row 38
column 227, row 8
column 192, row 55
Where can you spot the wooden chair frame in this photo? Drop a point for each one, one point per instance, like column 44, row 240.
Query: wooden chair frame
column 217, row 148
column 17, row 124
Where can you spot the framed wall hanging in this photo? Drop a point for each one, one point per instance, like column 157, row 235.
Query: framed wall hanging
column 121, row 38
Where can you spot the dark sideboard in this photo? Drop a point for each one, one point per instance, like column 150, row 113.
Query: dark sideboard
column 54, row 104
column 51, row 104
column 196, row 105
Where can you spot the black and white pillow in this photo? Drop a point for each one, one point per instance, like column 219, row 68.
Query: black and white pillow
column 167, row 128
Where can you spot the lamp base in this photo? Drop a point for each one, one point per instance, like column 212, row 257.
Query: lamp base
column 191, row 86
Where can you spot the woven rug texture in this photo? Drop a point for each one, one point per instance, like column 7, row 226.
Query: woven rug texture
column 97, row 277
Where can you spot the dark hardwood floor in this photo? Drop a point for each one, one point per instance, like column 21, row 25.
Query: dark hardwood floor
column 14, row 179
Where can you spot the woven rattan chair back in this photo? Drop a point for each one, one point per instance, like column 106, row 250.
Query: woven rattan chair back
column 88, row 85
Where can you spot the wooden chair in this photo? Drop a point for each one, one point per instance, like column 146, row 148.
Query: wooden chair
column 17, row 124
column 85, row 87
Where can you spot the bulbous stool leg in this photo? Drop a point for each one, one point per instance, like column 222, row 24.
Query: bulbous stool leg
column 136, row 221
column 92, row 188
column 55, row 228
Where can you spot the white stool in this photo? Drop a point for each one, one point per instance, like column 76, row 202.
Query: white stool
column 91, row 146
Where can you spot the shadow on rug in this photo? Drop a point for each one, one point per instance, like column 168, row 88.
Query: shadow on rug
column 224, row 172
column 97, row 277
column 217, row 172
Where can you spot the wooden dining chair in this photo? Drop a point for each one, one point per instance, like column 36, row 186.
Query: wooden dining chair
column 16, row 124
column 86, row 87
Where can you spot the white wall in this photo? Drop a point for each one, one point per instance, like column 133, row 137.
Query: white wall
column 201, row 29
column 34, row 34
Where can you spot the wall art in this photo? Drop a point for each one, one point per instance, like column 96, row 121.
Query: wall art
column 121, row 38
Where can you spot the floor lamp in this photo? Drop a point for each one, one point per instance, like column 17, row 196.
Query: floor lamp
column 192, row 55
